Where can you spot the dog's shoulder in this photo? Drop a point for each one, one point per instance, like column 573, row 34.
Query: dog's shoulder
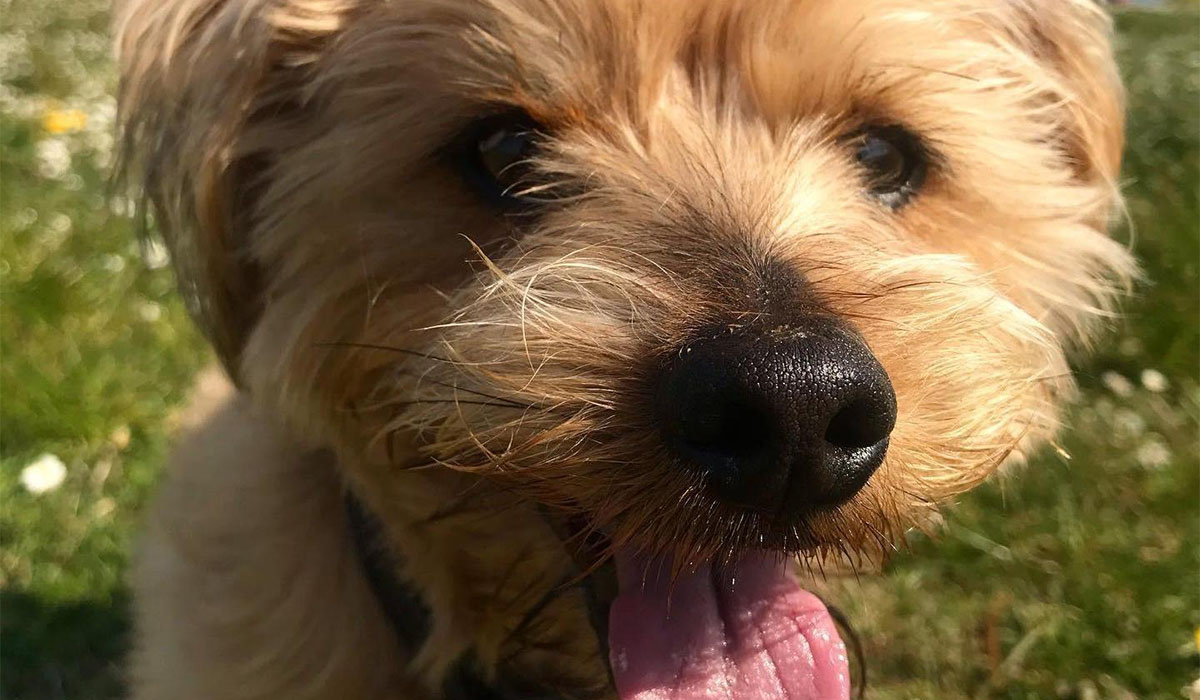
column 245, row 583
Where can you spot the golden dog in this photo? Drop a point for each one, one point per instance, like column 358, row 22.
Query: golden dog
column 559, row 328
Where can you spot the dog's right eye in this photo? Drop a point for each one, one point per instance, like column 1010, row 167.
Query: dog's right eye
column 497, row 159
column 894, row 161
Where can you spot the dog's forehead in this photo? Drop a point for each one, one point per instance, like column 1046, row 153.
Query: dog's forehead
column 568, row 61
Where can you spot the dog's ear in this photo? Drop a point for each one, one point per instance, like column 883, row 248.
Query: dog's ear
column 1072, row 40
column 1066, row 49
column 207, row 88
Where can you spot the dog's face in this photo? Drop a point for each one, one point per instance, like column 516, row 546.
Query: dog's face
column 700, row 277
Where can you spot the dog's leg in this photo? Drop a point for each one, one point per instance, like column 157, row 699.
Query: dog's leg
column 246, row 583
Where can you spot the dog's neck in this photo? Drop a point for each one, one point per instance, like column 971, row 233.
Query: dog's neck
column 475, row 592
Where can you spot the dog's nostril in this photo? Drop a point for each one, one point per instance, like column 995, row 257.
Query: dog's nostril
column 861, row 423
column 725, row 429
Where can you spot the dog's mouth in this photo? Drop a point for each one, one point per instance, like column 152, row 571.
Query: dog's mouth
column 746, row 629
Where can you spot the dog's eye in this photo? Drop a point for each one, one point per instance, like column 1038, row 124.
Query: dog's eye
column 894, row 161
column 497, row 159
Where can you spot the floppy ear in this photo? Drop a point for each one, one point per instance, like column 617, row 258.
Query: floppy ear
column 1073, row 39
column 1068, row 44
column 207, row 88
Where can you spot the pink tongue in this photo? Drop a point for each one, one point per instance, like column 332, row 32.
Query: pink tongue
column 751, row 634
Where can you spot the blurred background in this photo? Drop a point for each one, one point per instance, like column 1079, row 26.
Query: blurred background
column 1078, row 579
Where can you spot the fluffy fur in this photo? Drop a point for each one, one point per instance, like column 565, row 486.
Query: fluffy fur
column 480, row 378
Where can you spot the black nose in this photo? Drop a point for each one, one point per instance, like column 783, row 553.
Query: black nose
column 784, row 421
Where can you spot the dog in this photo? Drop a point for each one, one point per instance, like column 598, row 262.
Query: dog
column 563, row 335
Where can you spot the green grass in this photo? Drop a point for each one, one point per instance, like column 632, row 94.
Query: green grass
column 1074, row 579
column 96, row 353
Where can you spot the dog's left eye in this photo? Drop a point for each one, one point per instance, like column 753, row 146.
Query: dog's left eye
column 894, row 161
column 497, row 159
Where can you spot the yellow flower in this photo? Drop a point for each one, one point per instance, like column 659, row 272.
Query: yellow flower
column 1198, row 639
column 63, row 121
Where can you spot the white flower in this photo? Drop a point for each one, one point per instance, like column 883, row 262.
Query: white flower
column 149, row 311
column 1153, row 454
column 1154, row 381
column 122, row 206
column 43, row 474
column 101, row 115
column 1117, row 383
column 53, row 158
column 155, row 255
column 1128, row 423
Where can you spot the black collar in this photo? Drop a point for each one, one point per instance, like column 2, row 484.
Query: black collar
column 409, row 616
column 405, row 609
column 403, row 606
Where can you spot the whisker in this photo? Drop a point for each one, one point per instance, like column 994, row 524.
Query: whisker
column 385, row 348
column 461, row 402
column 421, row 377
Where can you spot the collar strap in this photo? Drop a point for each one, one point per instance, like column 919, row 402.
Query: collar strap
column 409, row 616
column 403, row 606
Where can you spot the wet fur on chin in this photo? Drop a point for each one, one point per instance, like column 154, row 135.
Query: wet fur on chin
column 478, row 376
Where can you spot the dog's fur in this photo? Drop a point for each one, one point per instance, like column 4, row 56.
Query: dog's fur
column 479, row 378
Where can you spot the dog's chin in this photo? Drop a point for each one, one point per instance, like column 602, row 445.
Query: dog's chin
column 740, row 626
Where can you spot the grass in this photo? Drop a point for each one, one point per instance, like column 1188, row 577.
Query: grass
column 96, row 352
column 1076, row 579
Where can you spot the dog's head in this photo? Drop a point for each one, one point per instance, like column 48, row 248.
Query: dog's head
column 702, row 278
